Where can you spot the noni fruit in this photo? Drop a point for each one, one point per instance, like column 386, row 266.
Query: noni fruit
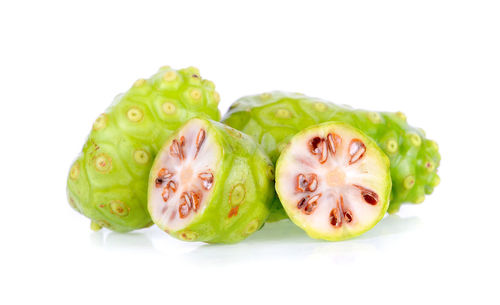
column 108, row 181
column 273, row 118
column 210, row 183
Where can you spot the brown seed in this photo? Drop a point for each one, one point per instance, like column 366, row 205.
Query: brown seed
column 357, row 150
column 308, row 184
column 195, row 199
column 331, row 144
column 163, row 174
column 207, row 180
column 334, row 218
column 314, row 145
column 324, row 152
column 301, row 183
column 172, row 185
column 312, row 204
column 301, row 204
column 184, row 210
column 182, row 142
column 191, row 199
column 369, row 196
column 337, row 214
column 310, row 208
column 187, row 200
column 348, row 216
column 176, row 150
column 340, row 204
column 318, row 146
column 313, row 183
column 333, row 141
column 314, row 198
column 200, row 138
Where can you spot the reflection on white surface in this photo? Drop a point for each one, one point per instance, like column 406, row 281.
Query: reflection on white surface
column 275, row 241
column 392, row 224
column 139, row 240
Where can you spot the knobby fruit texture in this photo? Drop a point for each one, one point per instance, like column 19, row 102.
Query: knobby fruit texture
column 333, row 181
column 273, row 118
column 210, row 183
column 108, row 181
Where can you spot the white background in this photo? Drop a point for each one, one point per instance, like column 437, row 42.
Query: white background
column 61, row 64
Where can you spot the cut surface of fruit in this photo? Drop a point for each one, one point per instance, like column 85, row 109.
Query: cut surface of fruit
column 185, row 179
column 210, row 183
column 333, row 181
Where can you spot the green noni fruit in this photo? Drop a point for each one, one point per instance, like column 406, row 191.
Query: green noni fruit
column 273, row 118
column 333, row 181
column 210, row 183
column 108, row 181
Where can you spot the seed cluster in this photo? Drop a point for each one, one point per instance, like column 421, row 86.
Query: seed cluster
column 322, row 148
column 189, row 200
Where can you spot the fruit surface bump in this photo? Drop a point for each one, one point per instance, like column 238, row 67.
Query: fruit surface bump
column 108, row 181
column 210, row 183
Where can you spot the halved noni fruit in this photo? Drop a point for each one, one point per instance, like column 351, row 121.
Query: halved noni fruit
column 210, row 183
column 333, row 181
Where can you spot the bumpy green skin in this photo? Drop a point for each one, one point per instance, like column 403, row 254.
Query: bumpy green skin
column 273, row 118
column 108, row 181
column 230, row 217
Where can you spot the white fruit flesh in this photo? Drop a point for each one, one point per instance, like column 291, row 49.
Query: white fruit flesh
column 191, row 167
column 351, row 184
